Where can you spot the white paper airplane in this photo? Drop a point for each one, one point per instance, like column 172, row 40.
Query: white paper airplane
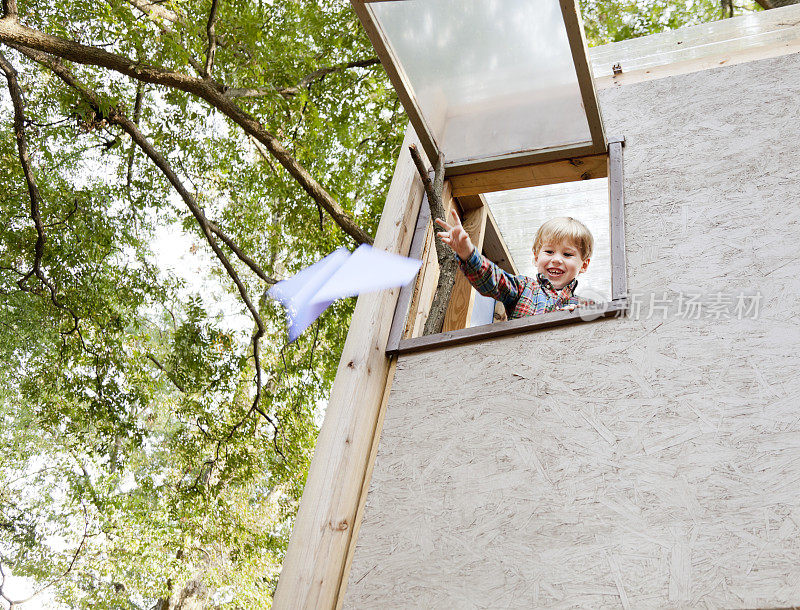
column 310, row 291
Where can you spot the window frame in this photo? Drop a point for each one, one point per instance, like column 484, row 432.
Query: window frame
column 616, row 307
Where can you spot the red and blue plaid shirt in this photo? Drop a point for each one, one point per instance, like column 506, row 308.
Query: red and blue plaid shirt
column 521, row 295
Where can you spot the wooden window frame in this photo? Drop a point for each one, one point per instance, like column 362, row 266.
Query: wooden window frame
column 469, row 187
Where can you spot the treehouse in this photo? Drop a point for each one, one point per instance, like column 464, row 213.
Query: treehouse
column 640, row 453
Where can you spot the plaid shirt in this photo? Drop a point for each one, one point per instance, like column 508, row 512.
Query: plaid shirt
column 521, row 295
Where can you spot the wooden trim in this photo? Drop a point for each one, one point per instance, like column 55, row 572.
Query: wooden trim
column 615, row 308
column 469, row 202
column 583, row 70
column 398, row 79
column 538, row 174
column 317, row 553
column 616, row 199
column 407, row 292
column 581, row 149
column 376, row 439
column 614, row 171
column 689, row 66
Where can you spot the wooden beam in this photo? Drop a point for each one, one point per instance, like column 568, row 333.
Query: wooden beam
column 316, row 557
column 462, row 299
column 376, row 437
column 689, row 66
column 405, row 300
column 615, row 308
column 580, row 57
column 581, row 149
column 616, row 198
column 567, row 170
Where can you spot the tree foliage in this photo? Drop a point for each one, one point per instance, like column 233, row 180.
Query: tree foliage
column 154, row 443
column 608, row 21
column 133, row 469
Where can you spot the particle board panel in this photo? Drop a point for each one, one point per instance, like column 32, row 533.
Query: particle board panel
column 651, row 461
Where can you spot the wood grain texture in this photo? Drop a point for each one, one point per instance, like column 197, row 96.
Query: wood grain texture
column 316, row 556
column 553, row 172
column 459, row 310
column 405, row 300
column 580, row 58
column 647, row 463
column 747, row 37
column 710, row 62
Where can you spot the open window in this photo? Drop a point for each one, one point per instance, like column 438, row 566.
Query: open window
column 503, row 90
column 501, row 210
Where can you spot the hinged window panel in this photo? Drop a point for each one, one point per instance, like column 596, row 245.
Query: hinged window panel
column 489, row 80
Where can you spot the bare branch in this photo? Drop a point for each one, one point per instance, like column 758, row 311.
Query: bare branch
column 164, row 370
column 20, row 37
column 304, row 82
column 211, row 49
column 422, row 170
column 317, row 75
column 33, row 192
column 447, row 261
column 255, row 267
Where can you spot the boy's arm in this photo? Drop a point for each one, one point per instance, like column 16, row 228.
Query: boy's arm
column 490, row 280
column 483, row 274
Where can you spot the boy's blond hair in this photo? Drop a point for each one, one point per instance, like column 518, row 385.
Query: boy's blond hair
column 565, row 229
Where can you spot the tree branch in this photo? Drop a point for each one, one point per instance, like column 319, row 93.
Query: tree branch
column 255, row 267
column 304, row 82
column 211, row 49
column 116, row 117
column 152, row 9
column 445, row 257
column 10, row 8
column 33, row 191
column 164, row 370
column 18, row 602
column 19, row 37
column 137, row 114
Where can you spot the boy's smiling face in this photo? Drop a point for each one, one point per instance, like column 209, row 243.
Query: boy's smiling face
column 559, row 262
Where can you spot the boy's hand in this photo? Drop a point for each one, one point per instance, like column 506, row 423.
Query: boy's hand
column 455, row 236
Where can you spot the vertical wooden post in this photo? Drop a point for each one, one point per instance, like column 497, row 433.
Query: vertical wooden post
column 459, row 312
column 315, row 559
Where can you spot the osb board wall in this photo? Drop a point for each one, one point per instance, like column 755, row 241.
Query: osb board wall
column 637, row 463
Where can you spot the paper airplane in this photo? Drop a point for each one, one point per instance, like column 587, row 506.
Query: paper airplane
column 310, row 291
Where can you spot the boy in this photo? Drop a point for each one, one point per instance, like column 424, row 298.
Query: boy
column 561, row 250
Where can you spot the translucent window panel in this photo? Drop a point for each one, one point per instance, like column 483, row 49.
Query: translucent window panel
column 519, row 214
column 490, row 77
